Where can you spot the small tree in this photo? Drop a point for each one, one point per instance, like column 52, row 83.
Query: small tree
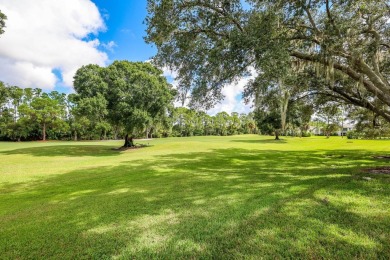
column 44, row 111
column 330, row 113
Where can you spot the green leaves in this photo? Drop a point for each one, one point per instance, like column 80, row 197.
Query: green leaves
column 3, row 17
column 129, row 94
column 211, row 43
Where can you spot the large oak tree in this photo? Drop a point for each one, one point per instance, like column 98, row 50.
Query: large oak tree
column 340, row 46
column 127, row 94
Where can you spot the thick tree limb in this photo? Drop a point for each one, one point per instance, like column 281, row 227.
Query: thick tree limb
column 215, row 9
column 362, row 103
column 370, row 86
column 311, row 20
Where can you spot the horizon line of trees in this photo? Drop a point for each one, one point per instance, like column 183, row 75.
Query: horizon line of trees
column 32, row 114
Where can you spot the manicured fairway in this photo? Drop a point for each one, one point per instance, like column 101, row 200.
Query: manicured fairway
column 202, row 197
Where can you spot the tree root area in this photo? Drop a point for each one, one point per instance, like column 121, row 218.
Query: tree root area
column 137, row 146
column 378, row 170
column 382, row 157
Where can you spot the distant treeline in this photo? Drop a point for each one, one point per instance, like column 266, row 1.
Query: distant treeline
column 32, row 114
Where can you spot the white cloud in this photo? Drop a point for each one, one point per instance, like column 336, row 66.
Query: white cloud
column 46, row 35
column 169, row 73
column 233, row 101
column 109, row 46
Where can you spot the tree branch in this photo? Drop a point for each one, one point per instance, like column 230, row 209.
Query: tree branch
column 313, row 24
column 215, row 9
column 385, row 45
column 328, row 13
column 362, row 103
column 370, row 86
column 302, row 37
column 200, row 30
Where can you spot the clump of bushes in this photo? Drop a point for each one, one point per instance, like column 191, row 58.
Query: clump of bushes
column 353, row 135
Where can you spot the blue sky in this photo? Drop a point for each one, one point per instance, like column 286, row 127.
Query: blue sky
column 125, row 26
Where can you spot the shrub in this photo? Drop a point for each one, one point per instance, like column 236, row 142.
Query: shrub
column 352, row 135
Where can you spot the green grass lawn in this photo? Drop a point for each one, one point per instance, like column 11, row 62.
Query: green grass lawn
column 202, row 197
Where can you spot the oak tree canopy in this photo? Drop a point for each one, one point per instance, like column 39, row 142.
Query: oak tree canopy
column 338, row 48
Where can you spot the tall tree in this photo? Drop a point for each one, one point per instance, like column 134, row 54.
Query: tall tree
column 331, row 114
column 44, row 111
column 3, row 100
column 134, row 93
column 268, row 121
column 235, row 123
column 221, row 121
column 211, row 43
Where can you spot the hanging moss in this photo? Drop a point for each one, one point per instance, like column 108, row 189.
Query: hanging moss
column 361, row 82
column 318, row 69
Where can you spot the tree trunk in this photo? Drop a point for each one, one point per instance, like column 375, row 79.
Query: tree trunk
column 277, row 135
column 128, row 141
column 284, row 98
column 115, row 133
column 15, row 113
column 44, row 132
column 75, row 135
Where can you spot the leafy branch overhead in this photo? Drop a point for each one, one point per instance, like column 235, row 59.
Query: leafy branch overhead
column 340, row 47
column 3, row 17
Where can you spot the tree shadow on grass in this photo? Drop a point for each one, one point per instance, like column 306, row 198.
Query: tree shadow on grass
column 227, row 203
column 66, row 150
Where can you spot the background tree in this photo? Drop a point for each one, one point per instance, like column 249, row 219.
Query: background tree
column 221, row 123
column 178, row 121
column 24, row 113
column 268, row 121
column 3, row 108
column 29, row 114
column 3, row 95
column 271, row 97
column 207, row 124
column 44, row 111
column 330, row 113
column 368, row 125
column 234, row 124
column 3, row 17
column 300, row 113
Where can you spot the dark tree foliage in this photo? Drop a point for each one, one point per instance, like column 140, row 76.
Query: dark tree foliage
column 341, row 47
column 3, row 17
column 268, row 122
